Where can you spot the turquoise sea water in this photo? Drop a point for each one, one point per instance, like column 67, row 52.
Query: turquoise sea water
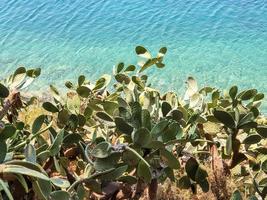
column 220, row 42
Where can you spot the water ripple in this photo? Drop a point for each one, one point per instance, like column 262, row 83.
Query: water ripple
column 210, row 40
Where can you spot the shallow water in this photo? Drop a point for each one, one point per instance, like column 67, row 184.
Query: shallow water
column 220, row 42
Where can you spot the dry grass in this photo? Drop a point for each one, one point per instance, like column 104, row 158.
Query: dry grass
column 169, row 191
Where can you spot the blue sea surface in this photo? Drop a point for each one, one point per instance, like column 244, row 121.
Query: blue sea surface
column 219, row 42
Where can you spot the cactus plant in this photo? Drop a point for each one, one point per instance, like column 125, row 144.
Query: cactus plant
column 120, row 132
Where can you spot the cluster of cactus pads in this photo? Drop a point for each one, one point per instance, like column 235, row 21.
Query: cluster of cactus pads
column 103, row 141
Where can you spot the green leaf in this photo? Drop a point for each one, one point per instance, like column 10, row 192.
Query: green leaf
column 144, row 78
column 247, row 94
column 38, row 191
column 169, row 159
column 122, row 126
column 201, row 174
column 225, row 118
column 116, row 173
column 60, row 195
column 102, row 164
column 233, row 92
column 119, row 67
column 145, row 119
column 50, row 107
column 162, row 51
column 110, row 107
column 215, row 96
column 149, row 63
column 102, row 150
column 18, row 77
column 229, row 145
column 4, row 92
column 248, row 118
column 130, row 68
column 160, row 64
column 125, row 113
column 248, row 125
column 44, row 187
column 159, row 128
column 44, row 155
column 142, row 52
column 262, row 130
column 237, row 114
column 73, row 121
column 34, row 73
column 130, row 158
column 204, row 184
column 191, row 168
column 184, row 182
column 141, row 136
column 63, row 116
column 127, row 179
column 206, row 90
column 102, row 82
column 81, row 80
column 26, row 164
column 193, row 118
column 252, row 139
column 20, row 70
column 93, row 185
column 7, row 132
column 136, row 110
column 30, row 153
column 16, row 169
column 236, row 195
column 122, row 102
column 83, row 91
column 169, row 172
column 175, row 114
column 138, row 81
column 56, row 146
column 72, row 138
column 88, row 112
column 19, row 126
column 262, row 150
column 81, row 120
column 122, row 78
column 258, row 97
column 165, row 108
column 104, row 116
column 37, row 124
column 172, row 132
column 144, row 172
column 23, row 182
column 3, row 151
column 263, row 182
column 155, row 144
column 60, row 182
column 5, row 188
column 58, row 163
